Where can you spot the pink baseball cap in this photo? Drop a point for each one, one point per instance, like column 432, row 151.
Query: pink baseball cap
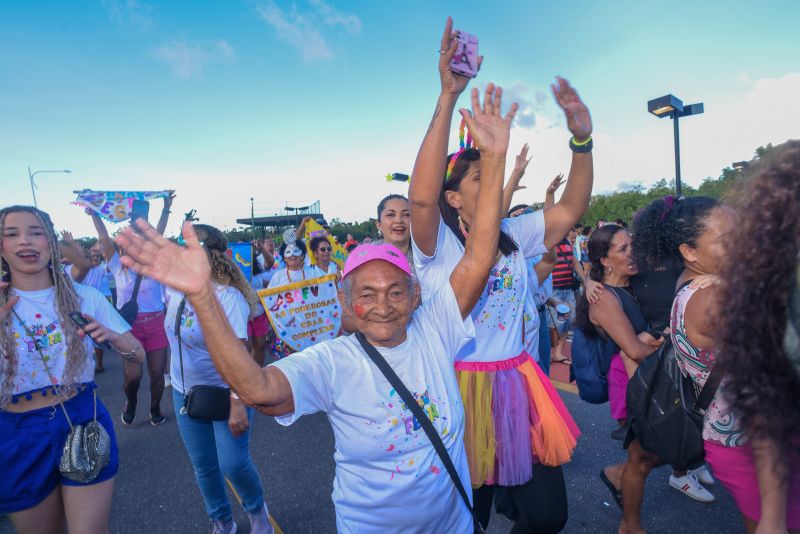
column 366, row 253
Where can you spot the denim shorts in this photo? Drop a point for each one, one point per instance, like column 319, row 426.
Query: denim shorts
column 30, row 450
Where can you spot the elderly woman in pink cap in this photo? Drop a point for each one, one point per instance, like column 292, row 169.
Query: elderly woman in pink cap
column 389, row 475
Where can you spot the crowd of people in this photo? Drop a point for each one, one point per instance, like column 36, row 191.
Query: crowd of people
column 450, row 324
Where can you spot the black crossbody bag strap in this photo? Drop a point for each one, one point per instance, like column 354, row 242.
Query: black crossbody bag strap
column 178, row 317
column 136, row 285
column 423, row 420
column 709, row 389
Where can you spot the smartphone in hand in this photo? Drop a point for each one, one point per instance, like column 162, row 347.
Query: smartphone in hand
column 81, row 321
column 465, row 61
column 140, row 209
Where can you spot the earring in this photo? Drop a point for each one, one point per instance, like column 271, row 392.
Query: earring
column 462, row 226
column 608, row 270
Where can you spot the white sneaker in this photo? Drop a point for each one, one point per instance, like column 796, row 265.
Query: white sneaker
column 691, row 487
column 259, row 523
column 703, row 475
column 223, row 527
column 167, row 382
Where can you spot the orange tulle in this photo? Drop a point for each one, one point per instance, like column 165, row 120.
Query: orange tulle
column 551, row 439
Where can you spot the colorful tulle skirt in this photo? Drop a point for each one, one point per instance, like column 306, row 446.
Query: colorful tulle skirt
column 514, row 418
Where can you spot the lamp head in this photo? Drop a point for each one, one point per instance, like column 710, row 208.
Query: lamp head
column 665, row 106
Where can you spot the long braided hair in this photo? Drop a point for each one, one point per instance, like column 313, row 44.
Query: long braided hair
column 66, row 301
column 224, row 270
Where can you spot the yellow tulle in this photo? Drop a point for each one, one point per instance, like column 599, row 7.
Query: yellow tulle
column 479, row 440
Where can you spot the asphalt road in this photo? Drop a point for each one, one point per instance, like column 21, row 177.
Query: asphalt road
column 156, row 489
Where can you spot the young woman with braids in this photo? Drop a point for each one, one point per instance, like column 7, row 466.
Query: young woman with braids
column 44, row 359
column 218, row 450
column 759, row 347
column 518, row 433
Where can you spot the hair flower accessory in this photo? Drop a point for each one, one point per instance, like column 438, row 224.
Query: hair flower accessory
column 463, row 146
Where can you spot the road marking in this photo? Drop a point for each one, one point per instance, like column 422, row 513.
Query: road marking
column 563, row 386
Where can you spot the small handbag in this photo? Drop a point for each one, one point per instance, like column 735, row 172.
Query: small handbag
column 430, row 431
column 206, row 403
column 130, row 309
column 87, row 450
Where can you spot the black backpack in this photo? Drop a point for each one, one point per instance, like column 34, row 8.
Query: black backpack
column 665, row 412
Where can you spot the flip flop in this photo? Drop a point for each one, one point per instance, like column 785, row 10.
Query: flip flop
column 565, row 361
column 617, row 494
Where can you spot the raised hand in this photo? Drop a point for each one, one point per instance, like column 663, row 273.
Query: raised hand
column 183, row 268
column 67, row 241
column 522, row 160
column 489, row 129
column 555, row 184
column 579, row 121
column 168, row 200
column 6, row 308
column 452, row 83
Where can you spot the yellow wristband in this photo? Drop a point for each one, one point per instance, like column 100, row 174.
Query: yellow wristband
column 581, row 143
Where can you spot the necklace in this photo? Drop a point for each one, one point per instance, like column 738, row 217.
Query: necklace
column 289, row 274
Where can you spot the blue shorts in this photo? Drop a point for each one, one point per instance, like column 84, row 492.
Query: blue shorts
column 31, row 445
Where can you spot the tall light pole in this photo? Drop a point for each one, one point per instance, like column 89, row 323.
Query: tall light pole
column 33, row 186
column 252, row 219
column 672, row 107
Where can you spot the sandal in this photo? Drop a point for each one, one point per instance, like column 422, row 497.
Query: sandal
column 564, row 360
column 617, row 494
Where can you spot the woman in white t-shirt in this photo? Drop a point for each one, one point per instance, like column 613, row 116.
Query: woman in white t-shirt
column 389, row 478
column 45, row 359
column 148, row 327
column 220, row 448
column 519, row 433
column 322, row 249
column 294, row 255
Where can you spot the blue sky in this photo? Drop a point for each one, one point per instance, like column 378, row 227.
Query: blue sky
column 315, row 99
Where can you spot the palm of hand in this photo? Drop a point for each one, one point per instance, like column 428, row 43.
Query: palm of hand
column 185, row 269
column 579, row 121
column 492, row 133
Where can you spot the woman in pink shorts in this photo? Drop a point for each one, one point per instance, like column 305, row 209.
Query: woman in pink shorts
column 760, row 346
column 148, row 327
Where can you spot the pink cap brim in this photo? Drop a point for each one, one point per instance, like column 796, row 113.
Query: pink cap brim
column 366, row 253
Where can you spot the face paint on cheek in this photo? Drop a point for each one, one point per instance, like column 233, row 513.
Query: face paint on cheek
column 359, row 310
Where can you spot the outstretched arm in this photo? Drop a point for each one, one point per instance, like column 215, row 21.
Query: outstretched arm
column 187, row 270
column 102, row 235
column 520, row 164
column 429, row 168
column 575, row 200
column 162, row 221
column 490, row 131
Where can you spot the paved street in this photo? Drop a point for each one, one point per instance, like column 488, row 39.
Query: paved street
column 156, row 490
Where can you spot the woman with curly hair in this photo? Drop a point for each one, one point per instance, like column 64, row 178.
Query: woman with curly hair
column 760, row 281
column 217, row 449
column 46, row 361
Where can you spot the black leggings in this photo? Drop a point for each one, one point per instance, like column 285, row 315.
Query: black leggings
column 541, row 502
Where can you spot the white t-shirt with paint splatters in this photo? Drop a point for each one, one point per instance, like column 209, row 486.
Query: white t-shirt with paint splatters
column 198, row 369
column 498, row 315
column 37, row 310
column 388, row 475
column 150, row 296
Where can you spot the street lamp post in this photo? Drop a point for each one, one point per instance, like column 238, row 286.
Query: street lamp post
column 33, row 186
column 252, row 220
column 672, row 107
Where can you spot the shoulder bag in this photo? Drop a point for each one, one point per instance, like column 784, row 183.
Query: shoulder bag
column 87, row 449
column 423, row 420
column 130, row 309
column 206, row 403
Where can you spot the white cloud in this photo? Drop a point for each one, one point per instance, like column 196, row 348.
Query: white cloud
column 730, row 130
column 530, row 103
column 303, row 29
column 187, row 59
column 130, row 13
